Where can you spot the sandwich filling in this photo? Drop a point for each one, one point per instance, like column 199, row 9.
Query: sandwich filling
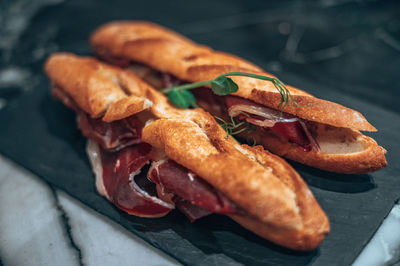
column 120, row 160
column 293, row 129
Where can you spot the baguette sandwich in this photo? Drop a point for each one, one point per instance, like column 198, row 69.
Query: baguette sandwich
column 193, row 166
column 312, row 131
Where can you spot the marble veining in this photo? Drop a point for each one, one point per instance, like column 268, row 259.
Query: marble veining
column 47, row 227
column 13, row 76
column 103, row 242
column 384, row 248
column 66, row 225
column 14, row 19
column 30, row 228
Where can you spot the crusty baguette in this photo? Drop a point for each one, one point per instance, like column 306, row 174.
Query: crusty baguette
column 100, row 91
column 169, row 52
column 166, row 51
column 279, row 205
column 342, row 150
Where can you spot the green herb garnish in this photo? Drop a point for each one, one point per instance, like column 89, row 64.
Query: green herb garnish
column 182, row 98
column 232, row 127
column 223, row 85
column 253, row 143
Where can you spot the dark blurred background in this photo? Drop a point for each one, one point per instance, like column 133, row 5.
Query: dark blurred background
column 343, row 45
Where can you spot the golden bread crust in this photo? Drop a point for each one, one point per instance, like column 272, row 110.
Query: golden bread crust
column 170, row 52
column 316, row 224
column 185, row 142
column 369, row 158
column 275, row 197
column 96, row 87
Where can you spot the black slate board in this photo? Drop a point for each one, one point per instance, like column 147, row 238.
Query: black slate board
column 40, row 133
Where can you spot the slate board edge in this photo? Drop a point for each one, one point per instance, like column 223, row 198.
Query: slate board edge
column 153, row 244
column 10, row 157
column 370, row 238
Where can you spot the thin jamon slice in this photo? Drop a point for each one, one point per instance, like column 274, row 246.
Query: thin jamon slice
column 178, row 180
column 117, row 179
column 291, row 127
column 169, row 80
column 111, row 136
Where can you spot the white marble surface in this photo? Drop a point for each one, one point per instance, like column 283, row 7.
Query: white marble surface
column 42, row 226
column 384, row 248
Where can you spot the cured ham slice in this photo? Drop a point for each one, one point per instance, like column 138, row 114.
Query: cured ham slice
column 117, row 168
column 117, row 155
column 178, row 180
column 176, row 186
column 116, row 180
column 112, row 136
column 292, row 128
column 168, row 80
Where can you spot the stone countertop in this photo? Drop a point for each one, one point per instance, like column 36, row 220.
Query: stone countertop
column 40, row 225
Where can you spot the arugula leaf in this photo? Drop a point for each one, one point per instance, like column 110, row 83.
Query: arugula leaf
column 190, row 98
column 182, row 98
column 223, row 86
